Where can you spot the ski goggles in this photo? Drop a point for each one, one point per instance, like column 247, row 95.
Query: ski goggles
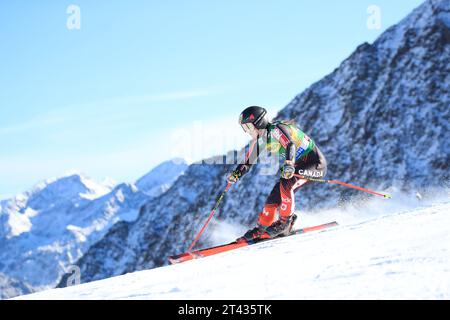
column 248, row 127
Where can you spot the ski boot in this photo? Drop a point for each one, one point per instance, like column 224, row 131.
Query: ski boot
column 256, row 233
column 282, row 227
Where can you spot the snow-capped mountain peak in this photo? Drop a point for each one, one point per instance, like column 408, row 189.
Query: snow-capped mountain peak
column 52, row 194
column 432, row 14
column 162, row 176
column 69, row 186
column 49, row 227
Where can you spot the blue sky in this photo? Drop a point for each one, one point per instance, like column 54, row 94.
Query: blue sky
column 143, row 81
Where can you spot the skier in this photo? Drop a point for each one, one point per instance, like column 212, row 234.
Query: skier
column 301, row 156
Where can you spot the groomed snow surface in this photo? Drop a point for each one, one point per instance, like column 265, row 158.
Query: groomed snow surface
column 402, row 254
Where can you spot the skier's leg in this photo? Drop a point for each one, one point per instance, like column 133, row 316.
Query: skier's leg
column 287, row 206
column 268, row 215
column 287, row 189
column 315, row 165
column 287, row 217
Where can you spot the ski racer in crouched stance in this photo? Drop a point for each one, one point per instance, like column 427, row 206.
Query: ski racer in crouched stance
column 302, row 157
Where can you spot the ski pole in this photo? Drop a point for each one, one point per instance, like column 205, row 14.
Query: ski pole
column 210, row 217
column 247, row 157
column 344, row 184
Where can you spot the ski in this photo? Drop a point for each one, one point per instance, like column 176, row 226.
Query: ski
column 183, row 257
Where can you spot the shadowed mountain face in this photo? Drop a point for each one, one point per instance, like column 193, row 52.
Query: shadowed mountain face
column 10, row 287
column 381, row 119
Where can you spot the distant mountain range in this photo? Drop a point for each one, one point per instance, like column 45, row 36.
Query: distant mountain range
column 50, row 227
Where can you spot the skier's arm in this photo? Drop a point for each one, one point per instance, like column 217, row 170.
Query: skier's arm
column 251, row 158
column 282, row 134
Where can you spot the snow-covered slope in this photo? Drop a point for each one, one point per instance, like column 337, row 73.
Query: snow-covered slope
column 45, row 230
column 398, row 254
column 381, row 119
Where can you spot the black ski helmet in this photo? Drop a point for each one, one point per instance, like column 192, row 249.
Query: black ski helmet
column 254, row 115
